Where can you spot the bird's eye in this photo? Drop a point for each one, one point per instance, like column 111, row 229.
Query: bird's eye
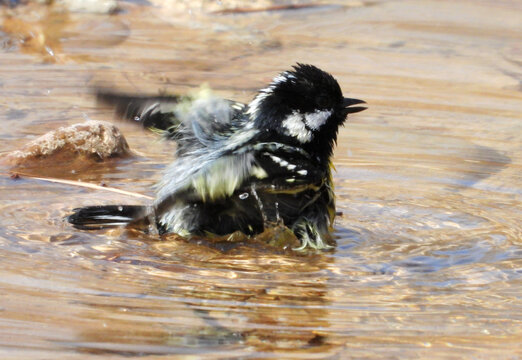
column 323, row 101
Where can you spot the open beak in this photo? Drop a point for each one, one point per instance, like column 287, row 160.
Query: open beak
column 347, row 104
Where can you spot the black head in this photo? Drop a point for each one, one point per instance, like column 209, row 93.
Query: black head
column 305, row 105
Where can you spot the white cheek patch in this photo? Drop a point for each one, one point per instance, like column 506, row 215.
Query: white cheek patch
column 296, row 127
column 317, row 119
column 301, row 127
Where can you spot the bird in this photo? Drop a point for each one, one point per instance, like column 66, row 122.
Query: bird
column 239, row 166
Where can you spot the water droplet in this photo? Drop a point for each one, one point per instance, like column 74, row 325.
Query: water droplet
column 243, row 196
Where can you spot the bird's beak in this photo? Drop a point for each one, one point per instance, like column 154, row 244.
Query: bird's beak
column 349, row 102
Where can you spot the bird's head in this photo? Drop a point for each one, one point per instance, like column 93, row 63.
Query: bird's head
column 304, row 105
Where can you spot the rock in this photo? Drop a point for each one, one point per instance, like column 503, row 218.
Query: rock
column 88, row 142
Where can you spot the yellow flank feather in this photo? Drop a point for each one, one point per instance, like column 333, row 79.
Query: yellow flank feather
column 259, row 172
column 224, row 177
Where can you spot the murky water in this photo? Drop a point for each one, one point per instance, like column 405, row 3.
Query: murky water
column 428, row 263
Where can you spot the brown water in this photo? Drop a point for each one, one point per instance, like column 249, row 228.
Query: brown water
column 428, row 262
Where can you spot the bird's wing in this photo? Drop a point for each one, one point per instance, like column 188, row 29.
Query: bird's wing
column 287, row 167
column 155, row 112
column 210, row 124
column 208, row 175
column 176, row 117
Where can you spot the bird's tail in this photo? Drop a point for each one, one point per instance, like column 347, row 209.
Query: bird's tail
column 106, row 216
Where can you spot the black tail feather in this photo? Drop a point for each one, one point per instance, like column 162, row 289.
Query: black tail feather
column 105, row 216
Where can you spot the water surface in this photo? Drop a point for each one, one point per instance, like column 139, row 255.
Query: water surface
column 428, row 182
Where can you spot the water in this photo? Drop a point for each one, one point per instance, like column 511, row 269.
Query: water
column 428, row 183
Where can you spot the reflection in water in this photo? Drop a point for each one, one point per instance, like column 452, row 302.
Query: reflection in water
column 281, row 303
column 428, row 184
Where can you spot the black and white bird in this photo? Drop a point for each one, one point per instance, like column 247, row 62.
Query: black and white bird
column 240, row 167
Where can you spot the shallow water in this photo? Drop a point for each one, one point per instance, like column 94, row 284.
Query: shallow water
column 428, row 262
